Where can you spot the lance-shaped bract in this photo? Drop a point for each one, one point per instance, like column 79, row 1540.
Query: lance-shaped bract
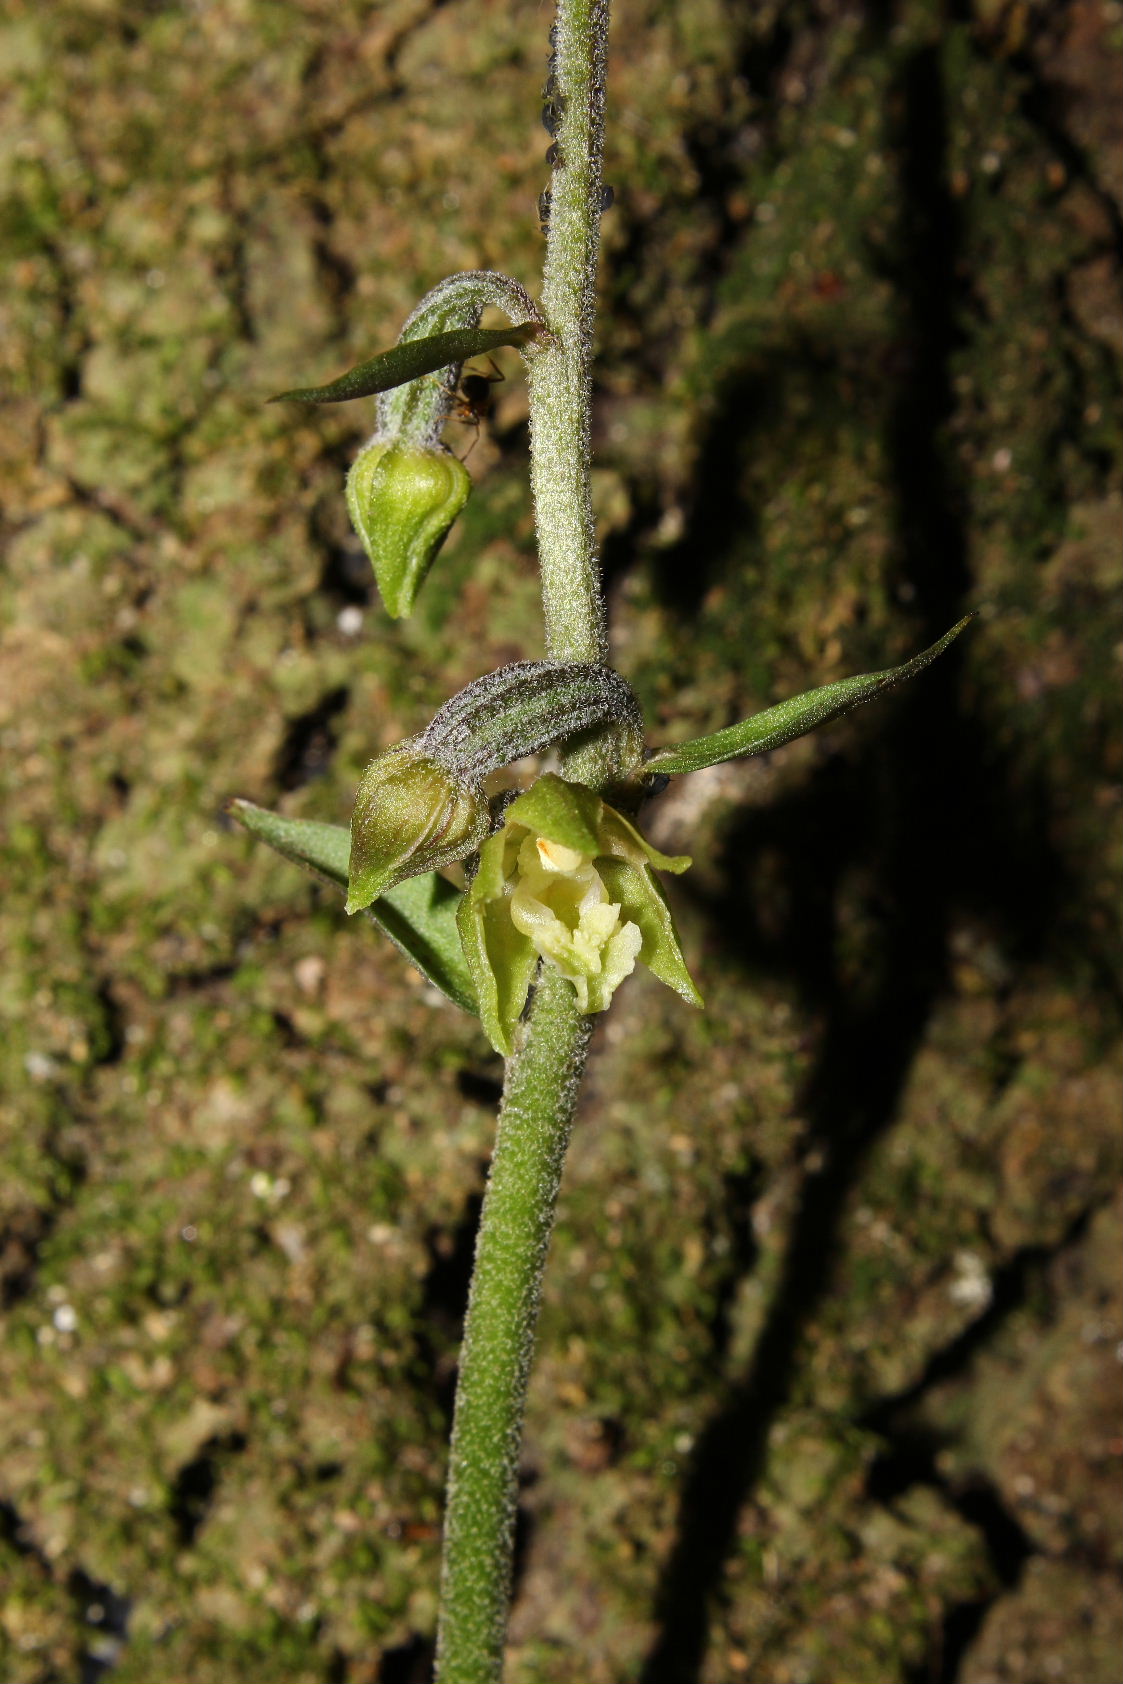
column 417, row 410
column 795, row 717
column 421, row 805
column 567, row 880
column 409, row 360
column 418, row 914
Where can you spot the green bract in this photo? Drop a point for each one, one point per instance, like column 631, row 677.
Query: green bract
column 419, row 914
column 795, row 717
column 567, row 880
column 402, row 499
column 413, row 359
column 411, row 815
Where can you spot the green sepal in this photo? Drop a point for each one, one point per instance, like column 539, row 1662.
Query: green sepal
column 409, row 360
column 566, row 813
column 418, row 915
column 501, row 960
column 795, row 717
column 660, row 951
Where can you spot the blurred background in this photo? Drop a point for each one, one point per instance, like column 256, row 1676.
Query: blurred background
column 828, row 1373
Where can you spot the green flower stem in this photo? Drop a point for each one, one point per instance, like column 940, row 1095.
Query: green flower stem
column 542, row 1079
column 558, row 373
column 514, row 1237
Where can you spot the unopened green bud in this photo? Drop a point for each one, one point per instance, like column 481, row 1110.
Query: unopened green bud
column 403, row 498
column 411, row 815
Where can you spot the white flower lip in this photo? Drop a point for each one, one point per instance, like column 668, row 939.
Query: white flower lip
column 560, row 903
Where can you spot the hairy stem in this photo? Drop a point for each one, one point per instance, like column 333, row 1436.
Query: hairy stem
column 515, row 1226
column 542, row 1079
column 558, row 373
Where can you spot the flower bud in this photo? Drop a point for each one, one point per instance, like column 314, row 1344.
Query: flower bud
column 402, row 499
column 411, row 815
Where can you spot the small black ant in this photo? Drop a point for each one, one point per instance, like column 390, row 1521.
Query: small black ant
column 472, row 400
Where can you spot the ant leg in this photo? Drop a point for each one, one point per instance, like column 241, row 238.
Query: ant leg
column 475, row 425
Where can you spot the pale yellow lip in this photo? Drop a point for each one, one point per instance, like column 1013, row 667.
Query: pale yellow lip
column 556, row 857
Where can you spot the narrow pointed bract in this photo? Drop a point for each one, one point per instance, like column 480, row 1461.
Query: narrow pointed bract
column 418, row 914
column 795, row 717
column 410, row 359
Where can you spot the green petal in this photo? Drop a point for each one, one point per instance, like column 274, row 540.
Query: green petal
column 795, row 717
column 573, row 815
column 623, row 841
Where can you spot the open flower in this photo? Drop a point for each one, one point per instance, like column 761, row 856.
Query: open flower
column 569, row 881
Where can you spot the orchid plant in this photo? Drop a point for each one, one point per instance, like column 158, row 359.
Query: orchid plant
column 562, row 898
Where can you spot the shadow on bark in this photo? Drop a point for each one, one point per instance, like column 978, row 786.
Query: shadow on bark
column 911, row 813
